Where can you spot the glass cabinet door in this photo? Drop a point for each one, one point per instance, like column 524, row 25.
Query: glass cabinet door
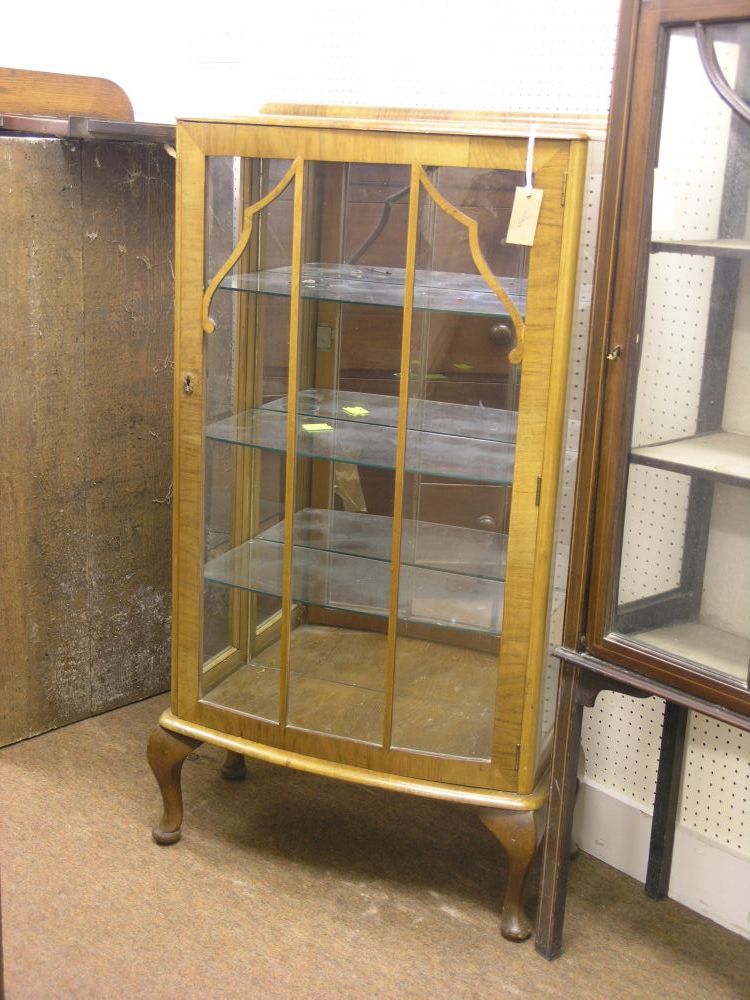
column 683, row 589
column 362, row 386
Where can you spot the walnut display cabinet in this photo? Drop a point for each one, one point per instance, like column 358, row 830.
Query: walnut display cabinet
column 370, row 380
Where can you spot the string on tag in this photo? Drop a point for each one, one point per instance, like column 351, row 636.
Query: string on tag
column 530, row 160
column 527, row 204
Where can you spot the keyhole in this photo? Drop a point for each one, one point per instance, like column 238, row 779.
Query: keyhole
column 188, row 384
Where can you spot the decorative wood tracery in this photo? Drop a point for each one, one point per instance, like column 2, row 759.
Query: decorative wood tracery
column 247, row 229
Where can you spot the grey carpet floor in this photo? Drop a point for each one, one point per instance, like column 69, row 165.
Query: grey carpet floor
column 288, row 885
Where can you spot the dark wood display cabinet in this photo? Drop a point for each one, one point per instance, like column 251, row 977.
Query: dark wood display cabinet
column 659, row 595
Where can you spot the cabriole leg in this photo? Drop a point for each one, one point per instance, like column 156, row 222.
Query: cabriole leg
column 166, row 755
column 518, row 833
column 233, row 768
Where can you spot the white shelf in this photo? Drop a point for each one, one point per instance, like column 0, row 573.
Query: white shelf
column 722, row 456
column 708, row 248
column 702, row 644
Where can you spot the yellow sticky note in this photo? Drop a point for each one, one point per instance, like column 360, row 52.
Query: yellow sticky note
column 316, row 428
column 355, row 411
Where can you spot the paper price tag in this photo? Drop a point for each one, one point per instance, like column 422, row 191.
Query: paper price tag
column 524, row 216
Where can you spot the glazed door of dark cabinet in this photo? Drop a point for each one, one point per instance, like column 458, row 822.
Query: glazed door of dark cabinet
column 671, row 560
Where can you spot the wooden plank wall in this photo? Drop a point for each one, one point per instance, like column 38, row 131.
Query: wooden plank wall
column 86, row 286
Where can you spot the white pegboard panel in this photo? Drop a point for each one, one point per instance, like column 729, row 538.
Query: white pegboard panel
column 674, row 339
column 716, row 783
column 577, row 367
column 669, row 381
column 726, row 580
column 736, row 417
column 434, row 53
column 481, row 54
column 620, row 739
column 569, row 465
column 654, row 532
column 692, row 190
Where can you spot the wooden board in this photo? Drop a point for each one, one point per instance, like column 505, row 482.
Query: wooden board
column 43, row 588
column 24, row 91
column 127, row 249
column 84, row 428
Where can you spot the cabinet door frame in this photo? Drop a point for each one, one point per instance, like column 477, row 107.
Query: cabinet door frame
column 619, row 292
column 514, row 765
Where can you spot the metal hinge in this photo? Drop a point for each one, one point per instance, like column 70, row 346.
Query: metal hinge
column 564, row 187
column 538, row 499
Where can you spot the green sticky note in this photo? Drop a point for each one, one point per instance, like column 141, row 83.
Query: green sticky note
column 316, row 428
column 462, row 366
column 355, row 411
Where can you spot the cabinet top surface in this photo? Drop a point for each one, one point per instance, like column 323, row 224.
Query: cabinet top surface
column 424, row 121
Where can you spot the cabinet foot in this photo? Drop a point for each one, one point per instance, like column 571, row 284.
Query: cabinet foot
column 166, row 755
column 233, row 768
column 519, row 834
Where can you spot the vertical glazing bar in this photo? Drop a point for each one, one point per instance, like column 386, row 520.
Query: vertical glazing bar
column 291, row 437
column 243, row 616
column 403, row 408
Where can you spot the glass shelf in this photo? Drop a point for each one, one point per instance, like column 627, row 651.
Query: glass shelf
column 425, row 415
column 438, row 291
column 446, row 440
column 721, row 456
column 341, row 561
column 708, row 248
column 447, row 548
